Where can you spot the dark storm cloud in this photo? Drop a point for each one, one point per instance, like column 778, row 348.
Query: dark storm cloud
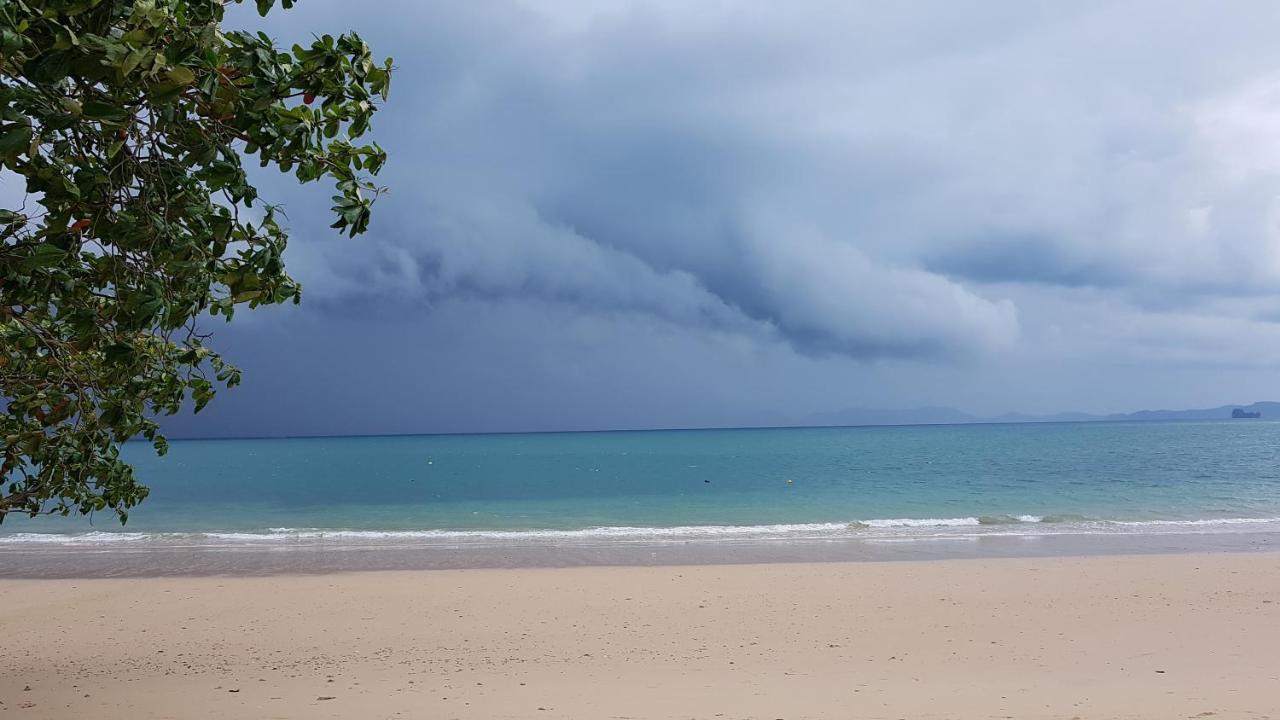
column 616, row 213
column 636, row 164
column 851, row 179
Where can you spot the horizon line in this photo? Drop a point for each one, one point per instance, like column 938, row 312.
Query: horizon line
column 1099, row 419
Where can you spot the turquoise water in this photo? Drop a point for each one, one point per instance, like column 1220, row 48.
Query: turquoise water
column 1079, row 477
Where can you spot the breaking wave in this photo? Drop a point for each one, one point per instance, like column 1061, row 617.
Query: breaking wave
column 877, row 528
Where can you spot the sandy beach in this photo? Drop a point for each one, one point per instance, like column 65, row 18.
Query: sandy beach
column 1100, row 637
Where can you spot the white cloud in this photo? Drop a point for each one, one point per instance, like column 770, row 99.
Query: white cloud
column 935, row 180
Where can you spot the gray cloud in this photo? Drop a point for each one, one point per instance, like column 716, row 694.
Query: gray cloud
column 635, row 163
column 922, row 203
column 694, row 161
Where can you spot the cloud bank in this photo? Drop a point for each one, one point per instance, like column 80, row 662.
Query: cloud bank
column 854, row 186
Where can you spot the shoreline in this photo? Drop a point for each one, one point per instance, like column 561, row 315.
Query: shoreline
column 318, row 556
column 1145, row 637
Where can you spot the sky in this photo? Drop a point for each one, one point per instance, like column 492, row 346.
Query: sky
column 628, row 214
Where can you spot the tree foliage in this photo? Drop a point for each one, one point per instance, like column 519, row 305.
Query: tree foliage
column 128, row 122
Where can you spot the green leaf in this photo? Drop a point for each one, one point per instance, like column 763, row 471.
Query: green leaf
column 132, row 61
column 104, row 111
column 15, row 140
column 181, row 75
column 46, row 255
column 119, row 353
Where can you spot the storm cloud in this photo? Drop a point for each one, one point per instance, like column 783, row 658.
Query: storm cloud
column 924, row 195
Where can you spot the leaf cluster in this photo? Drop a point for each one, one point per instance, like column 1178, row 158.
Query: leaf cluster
column 130, row 122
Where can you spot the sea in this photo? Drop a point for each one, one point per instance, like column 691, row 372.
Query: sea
column 645, row 497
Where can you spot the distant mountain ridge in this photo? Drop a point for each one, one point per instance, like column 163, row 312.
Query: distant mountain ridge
column 952, row 416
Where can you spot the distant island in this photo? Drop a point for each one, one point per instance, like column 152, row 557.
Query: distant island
column 855, row 417
column 952, row 416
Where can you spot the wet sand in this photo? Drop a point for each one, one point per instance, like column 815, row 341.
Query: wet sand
column 1156, row 636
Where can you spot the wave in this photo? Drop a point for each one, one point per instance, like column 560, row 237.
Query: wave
column 949, row 522
column 916, row 522
column 279, row 535
column 880, row 528
column 604, row 532
column 1202, row 522
column 87, row 538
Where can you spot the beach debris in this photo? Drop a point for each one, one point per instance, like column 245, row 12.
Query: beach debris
column 327, row 697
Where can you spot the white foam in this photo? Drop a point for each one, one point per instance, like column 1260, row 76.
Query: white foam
column 920, row 522
column 1199, row 523
column 240, row 537
column 89, row 538
column 878, row 528
column 604, row 532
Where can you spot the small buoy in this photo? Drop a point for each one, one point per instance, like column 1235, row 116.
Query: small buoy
column 790, row 481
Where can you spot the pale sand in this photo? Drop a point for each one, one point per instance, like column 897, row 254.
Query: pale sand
column 1102, row 637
